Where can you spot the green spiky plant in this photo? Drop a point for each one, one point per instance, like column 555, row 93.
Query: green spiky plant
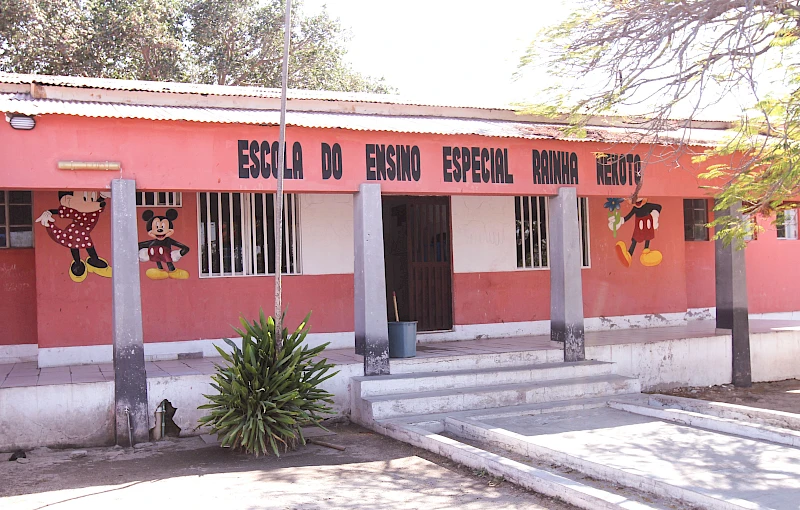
column 267, row 393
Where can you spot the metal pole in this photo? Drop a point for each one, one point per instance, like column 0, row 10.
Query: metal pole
column 287, row 33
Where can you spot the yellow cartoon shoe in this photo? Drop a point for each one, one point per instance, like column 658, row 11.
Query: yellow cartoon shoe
column 622, row 254
column 77, row 271
column 156, row 274
column 179, row 274
column 98, row 266
column 650, row 257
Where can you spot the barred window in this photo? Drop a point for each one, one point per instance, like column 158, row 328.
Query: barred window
column 16, row 219
column 237, row 233
column 786, row 224
column 158, row 198
column 532, row 231
column 695, row 219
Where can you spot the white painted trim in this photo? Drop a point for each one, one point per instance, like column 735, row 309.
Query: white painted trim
column 711, row 313
column 161, row 351
column 534, row 328
column 18, row 353
column 85, row 354
column 701, row 314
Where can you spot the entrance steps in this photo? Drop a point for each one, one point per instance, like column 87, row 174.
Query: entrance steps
column 582, row 433
column 409, row 394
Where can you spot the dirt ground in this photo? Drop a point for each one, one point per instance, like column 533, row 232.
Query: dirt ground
column 778, row 396
column 373, row 472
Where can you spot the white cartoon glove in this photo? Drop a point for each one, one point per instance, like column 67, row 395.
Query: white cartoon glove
column 176, row 255
column 143, row 255
column 46, row 219
column 105, row 194
column 655, row 214
column 612, row 220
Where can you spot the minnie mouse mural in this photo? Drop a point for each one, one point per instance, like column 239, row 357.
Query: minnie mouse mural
column 84, row 209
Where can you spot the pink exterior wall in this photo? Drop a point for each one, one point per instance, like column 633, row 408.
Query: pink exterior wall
column 513, row 296
column 76, row 314
column 194, row 156
column 700, row 275
column 17, row 296
column 609, row 289
column 773, row 281
column 162, row 155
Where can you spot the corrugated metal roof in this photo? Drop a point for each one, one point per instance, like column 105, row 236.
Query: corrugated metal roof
column 27, row 105
column 230, row 90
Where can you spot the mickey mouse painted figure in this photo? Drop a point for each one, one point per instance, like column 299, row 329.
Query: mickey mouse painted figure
column 644, row 230
column 84, row 209
column 161, row 249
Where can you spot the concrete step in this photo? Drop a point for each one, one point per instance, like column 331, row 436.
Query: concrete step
column 648, row 491
column 701, row 420
column 485, row 397
column 583, row 492
column 433, row 381
column 701, row 468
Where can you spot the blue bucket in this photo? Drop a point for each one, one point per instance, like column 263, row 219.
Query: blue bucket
column 403, row 339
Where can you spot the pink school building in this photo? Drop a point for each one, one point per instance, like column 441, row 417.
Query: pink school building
column 464, row 214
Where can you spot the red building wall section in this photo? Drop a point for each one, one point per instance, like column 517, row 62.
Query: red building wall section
column 17, row 296
column 75, row 314
column 609, row 288
column 773, row 279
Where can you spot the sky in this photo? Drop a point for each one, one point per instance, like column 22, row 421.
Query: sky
column 465, row 52
column 445, row 50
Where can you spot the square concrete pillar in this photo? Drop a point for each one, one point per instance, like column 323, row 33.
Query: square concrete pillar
column 732, row 309
column 130, row 380
column 566, row 288
column 371, row 322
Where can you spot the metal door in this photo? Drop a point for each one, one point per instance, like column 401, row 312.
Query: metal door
column 429, row 263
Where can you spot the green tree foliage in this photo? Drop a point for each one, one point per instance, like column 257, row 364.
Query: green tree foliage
column 204, row 41
column 661, row 58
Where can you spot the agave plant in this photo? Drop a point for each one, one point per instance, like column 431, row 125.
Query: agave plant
column 266, row 394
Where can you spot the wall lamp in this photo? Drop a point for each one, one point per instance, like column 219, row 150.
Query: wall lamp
column 24, row 122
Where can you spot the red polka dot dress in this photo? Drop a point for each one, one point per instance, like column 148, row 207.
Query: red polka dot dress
column 76, row 235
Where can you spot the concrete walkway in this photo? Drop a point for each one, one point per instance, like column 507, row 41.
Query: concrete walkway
column 373, row 472
column 740, row 471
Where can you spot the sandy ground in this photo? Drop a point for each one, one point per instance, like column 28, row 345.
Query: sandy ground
column 778, row 396
column 373, row 472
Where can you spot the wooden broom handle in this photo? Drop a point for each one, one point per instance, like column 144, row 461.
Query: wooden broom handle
column 396, row 315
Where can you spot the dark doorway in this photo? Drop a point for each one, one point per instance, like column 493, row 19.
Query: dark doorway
column 416, row 233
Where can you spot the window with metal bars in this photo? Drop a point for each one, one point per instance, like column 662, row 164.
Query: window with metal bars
column 695, row 219
column 158, row 198
column 786, row 224
column 16, row 219
column 532, row 230
column 237, row 234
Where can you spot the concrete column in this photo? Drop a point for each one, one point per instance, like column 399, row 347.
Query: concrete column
column 371, row 323
column 566, row 291
column 130, row 381
column 732, row 310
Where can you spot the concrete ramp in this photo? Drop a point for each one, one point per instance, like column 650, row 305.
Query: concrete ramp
column 602, row 451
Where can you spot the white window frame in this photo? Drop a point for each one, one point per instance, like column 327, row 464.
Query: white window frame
column 544, row 245
column 170, row 199
column 789, row 224
column 7, row 225
column 583, row 226
column 249, row 245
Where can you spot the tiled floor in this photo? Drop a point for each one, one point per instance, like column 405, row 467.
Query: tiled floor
column 28, row 374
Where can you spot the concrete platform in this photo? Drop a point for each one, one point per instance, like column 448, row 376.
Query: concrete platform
column 741, row 471
column 71, row 405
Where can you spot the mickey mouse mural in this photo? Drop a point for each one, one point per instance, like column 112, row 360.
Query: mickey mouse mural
column 84, row 209
column 162, row 248
column 645, row 224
